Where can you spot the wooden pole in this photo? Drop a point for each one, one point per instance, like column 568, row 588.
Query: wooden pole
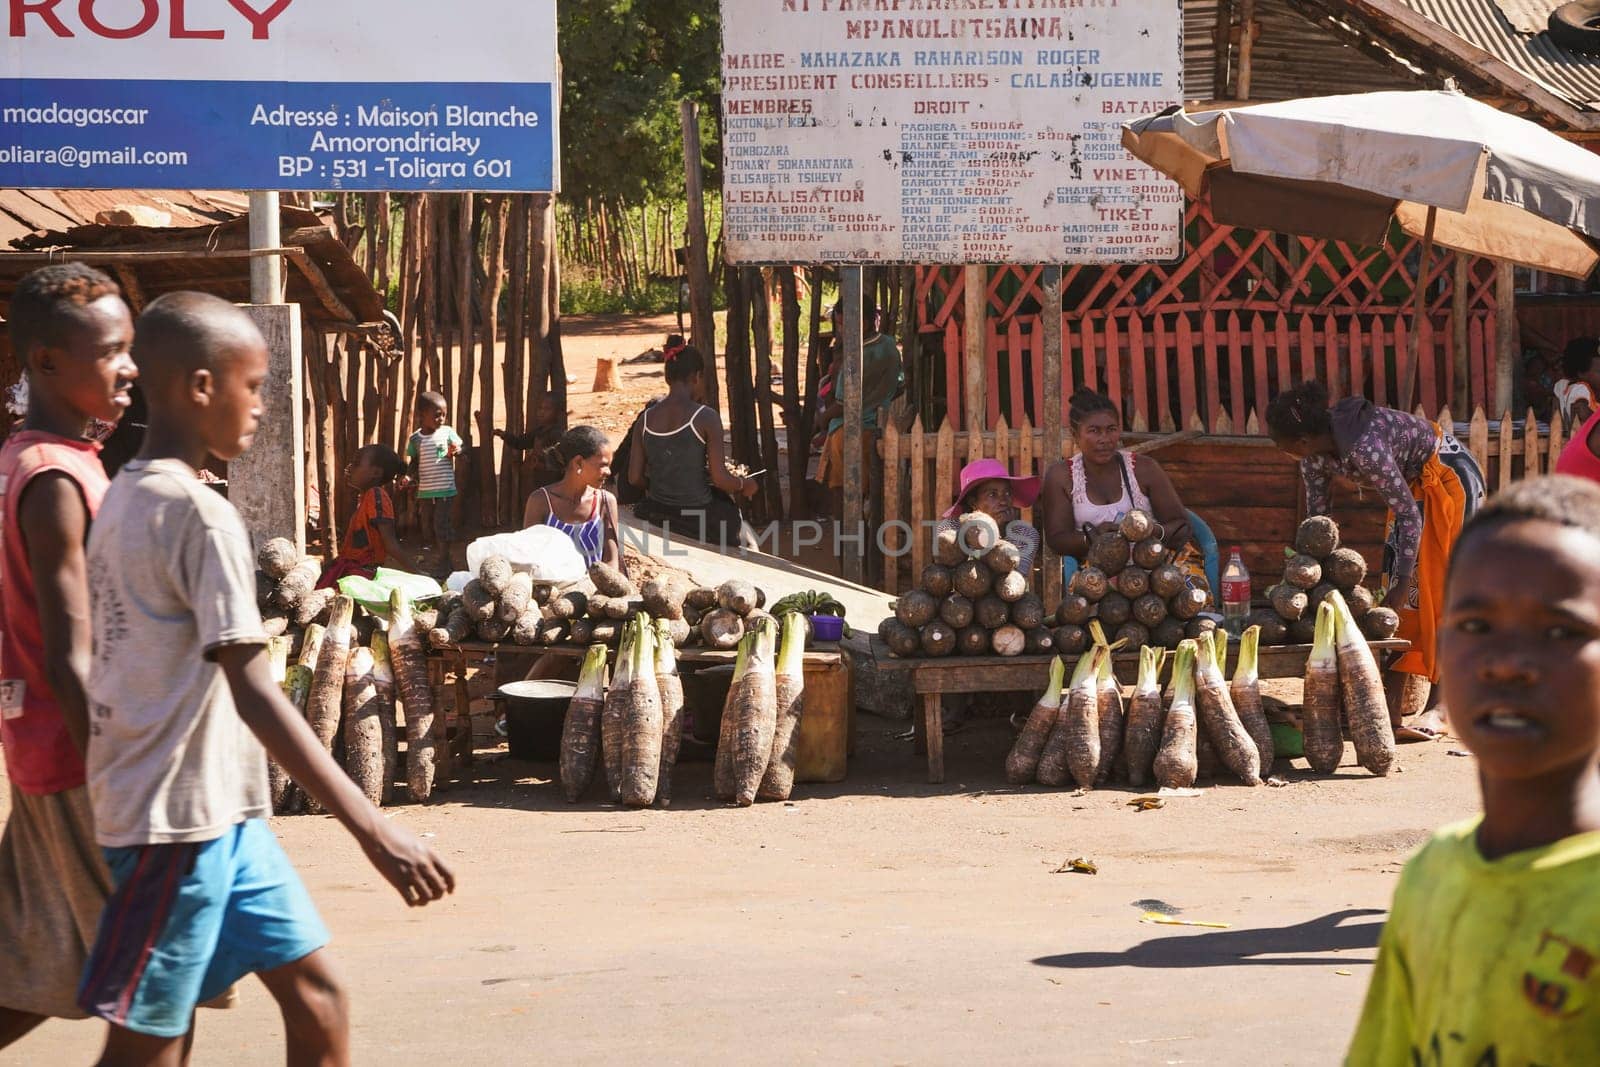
column 977, row 305
column 1247, row 18
column 1505, row 335
column 850, row 390
column 1419, row 310
column 1050, row 416
column 702, row 323
column 1460, row 299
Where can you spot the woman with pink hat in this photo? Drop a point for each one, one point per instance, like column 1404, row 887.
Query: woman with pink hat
column 987, row 486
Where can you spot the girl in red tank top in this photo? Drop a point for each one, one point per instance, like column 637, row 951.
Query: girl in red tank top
column 1580, row 457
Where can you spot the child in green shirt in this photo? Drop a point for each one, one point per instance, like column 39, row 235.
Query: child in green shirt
column 1492, row 949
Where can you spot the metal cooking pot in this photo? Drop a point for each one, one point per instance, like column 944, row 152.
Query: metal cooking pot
column 535, row 712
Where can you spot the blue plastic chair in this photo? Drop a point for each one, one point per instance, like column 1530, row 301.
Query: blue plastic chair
column 1204, row 540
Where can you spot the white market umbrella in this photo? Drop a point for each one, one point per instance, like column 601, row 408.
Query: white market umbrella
column 1447, row 168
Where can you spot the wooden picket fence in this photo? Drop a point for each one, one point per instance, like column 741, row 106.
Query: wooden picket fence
column 920, row 470
column 1243, row 315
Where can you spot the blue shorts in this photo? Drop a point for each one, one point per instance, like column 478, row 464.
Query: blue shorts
column 184, row 922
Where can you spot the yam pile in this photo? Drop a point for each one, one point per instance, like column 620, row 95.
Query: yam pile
column 972, row 600
column 1316, row 566
column 502, row 604
column 630, row 727
column 1130, row 584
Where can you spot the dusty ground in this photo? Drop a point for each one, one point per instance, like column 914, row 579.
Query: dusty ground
column 881, row 920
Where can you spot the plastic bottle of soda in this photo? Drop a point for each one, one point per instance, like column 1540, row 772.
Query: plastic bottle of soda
column 1235, row 591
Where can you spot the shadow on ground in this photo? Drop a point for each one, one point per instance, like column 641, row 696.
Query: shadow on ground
column 1300, row 945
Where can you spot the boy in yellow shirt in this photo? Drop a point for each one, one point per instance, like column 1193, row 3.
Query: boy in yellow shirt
column 1492, row 950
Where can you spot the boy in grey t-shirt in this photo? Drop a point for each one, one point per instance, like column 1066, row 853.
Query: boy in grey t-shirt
column 181, row 703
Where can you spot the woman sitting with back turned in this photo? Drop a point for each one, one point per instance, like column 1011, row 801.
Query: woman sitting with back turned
column 676, row 458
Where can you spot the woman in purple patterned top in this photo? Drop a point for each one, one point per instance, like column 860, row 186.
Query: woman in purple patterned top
column 1428, row 481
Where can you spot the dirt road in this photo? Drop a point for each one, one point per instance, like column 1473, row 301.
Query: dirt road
column 878, row 921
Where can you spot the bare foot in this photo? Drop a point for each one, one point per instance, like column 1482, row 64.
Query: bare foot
column 1429, row 726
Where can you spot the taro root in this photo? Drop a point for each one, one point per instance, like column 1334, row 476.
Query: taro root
column 599, row 606
column 493, row 630
column 1149, row 610
column 1137, row 525
column 1109, row 552
column 1150, row 553
column 1302, row 571
column 972, row 641
column 570, row 605
column 1289, row 602
column 495, row 574
column 1318, row 594
column 956, row 610
column 1133, row 582
column 1366, row 707
column 902, row 640
column 1167, row 581
column 1317, row 537
column 663, row 598
column 701, row 599
column 277, row 557
column 1039, row 642
column 580, row 631
column 1009, row 641
column 1345, row 568
column 1027, row 611
column 1176, row 764
column 1091, row 583
column 916, row 609
column 992, row 612
column 737, row 596
column 1010, row 587
column 1379, row 624
column 722, row 629
column 1360, row 600
column 477, row 601
column 1075, row 610
column 619, row 609
column 977, row 533
column 1195, row 629
column 1071, row 640
column 1023, row 761
column 1187, row 604
column 1324, row 739
column 1115, row 609
column 972, row 579
column 1168, row 633
column 1303, row 631
column 1132, row 635
column 946, row 549
column 1274, row 630
column 936, row 580
column 1003, row 558
column 606, row 632
column 938, row 639
column 610, row 581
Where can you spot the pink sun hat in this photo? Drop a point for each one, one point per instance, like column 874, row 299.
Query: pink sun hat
column 1024, row 491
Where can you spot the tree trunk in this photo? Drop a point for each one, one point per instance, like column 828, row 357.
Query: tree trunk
column 771, row 494
column 799, row 441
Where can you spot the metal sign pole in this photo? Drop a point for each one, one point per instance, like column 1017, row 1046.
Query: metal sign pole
column 266, row 272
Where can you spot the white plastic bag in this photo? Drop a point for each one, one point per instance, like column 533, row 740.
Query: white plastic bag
column 542, row 551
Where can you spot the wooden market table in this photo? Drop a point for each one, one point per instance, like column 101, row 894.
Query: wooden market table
column 458, row 659
column 933, row 678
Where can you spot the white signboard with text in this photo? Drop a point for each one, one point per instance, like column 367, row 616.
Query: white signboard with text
column 279, row 94
column 946, row 131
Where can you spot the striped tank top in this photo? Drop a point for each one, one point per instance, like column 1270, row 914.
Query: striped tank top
column 587, row 536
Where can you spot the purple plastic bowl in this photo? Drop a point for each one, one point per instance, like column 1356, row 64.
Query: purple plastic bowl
column 827, row 627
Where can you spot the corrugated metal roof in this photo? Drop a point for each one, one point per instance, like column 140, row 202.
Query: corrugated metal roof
column 26, row 212
column 1528, row 16
column 1569, row 75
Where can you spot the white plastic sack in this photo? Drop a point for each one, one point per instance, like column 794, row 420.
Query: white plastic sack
column 542, row 551
column 458, row 581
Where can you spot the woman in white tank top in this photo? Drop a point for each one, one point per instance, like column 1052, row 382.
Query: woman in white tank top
column 1102, row 482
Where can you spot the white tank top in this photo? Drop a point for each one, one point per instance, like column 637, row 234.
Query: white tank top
column 1086, row 511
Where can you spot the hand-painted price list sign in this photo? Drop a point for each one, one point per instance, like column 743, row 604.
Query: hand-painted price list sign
column 946, row 131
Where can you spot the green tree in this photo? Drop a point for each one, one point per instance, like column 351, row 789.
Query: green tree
column 626, row 64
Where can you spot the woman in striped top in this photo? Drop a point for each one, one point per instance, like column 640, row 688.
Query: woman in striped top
column 577, row 505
